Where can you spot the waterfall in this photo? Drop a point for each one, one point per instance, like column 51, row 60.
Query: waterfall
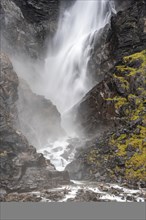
column 65, row 76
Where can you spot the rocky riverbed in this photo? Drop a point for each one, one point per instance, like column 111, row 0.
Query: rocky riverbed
column 79, row 191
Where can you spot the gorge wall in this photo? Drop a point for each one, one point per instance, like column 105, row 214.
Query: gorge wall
column 21, row 167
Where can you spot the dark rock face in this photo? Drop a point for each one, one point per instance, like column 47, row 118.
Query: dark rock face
column 35, row 21
column 37, row 11
column 39, row 119
column 27, row 25
column 112, row 113
column 21, row 168
column 116, row 110
column 126, row 35
column 94, row 113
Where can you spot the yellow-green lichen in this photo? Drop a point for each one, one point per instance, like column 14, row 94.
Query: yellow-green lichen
column 137, row 56
column 123, row 83
column 92, row 157
column 141, row 56
column 129, row 70
column 136, row 164
column 131, row 145
column 120, row 101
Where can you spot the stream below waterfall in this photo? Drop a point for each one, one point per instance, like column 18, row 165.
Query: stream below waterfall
column 82, row 190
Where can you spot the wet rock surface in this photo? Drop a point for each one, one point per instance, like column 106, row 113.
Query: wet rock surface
column 79, row 192
column 22, row 168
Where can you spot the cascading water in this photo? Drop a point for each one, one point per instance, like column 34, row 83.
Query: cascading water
column 65, row 79
column 67, row 59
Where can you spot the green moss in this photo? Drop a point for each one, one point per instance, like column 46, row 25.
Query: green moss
column 122, row 137
column 139, row 174
column 128, row 70
column 136, row 99
column 137, row 56
column 120, row 101
column 92, row 157
column 142, row 91
column 141, row 56
column 135, row 167
column 132, row 145
column 123, row 83
column 121, row 149
column 138, row 112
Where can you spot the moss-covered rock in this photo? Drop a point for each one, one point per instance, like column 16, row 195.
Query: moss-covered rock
column 120, row 155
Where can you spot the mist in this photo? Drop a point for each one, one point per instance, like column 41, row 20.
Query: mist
column 61, row 78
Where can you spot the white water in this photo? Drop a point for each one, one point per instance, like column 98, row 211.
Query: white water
column 65, row 77
column 103, row 194
column 55, row 153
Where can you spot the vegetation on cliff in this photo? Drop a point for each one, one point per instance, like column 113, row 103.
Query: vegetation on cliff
column 120, row 155
column 133, row 71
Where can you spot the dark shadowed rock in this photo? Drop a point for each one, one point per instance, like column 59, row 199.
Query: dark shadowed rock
column 37, row 11
column 21, row 168
column 126, row 34
column 26, row 25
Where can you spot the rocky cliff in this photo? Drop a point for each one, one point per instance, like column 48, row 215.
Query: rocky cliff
column 112, row 114
column 126, row 36
column 27, row 24
column 21, row 168
column 118, row 103
column 25, row 27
